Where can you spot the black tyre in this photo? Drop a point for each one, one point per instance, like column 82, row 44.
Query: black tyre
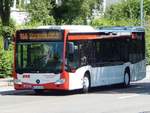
column 126, row 79
column 86, row 83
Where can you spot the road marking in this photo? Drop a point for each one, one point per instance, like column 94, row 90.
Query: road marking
column 129, row 96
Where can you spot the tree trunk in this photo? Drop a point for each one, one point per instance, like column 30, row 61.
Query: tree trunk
column 5, row 11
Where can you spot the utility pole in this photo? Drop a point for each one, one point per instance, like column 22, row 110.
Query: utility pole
column 14, row 4
column 142, row 12
column 104, row 5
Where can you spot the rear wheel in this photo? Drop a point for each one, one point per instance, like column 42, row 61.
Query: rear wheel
column 127, row 79
column 86, row 83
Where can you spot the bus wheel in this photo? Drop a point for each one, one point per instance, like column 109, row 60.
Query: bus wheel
column 86, row 83
column 126, row 79
column 38, row 91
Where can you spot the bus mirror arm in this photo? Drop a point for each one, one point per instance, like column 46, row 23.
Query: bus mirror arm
column 7, row 41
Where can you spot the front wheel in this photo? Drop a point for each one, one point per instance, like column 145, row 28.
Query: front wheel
column 126, row 79
column 86, row 83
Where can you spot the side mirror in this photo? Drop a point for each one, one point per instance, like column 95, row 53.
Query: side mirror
column 71, row 47
column 6, row 43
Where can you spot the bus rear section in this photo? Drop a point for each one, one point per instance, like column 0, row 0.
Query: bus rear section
column 132, row 48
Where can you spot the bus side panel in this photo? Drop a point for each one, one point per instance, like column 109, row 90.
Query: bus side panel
column 138, row 70
column 107, row 75
column 76, row 79
column 97, row 77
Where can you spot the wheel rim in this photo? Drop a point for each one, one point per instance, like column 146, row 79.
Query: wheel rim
column 86, row 83
column 126, row 79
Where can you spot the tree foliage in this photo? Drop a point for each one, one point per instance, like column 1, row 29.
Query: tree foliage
column 69, row 12
column 74, row 11
column 6, row 57
column 125, row 13
column 6, row 60
column 6, row 28
column 40, row 11
column 148, row 46
column 127, row 10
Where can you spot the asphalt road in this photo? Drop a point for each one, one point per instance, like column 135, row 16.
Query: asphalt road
column 110, row 99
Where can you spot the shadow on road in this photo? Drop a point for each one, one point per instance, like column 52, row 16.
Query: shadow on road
column 135, row 88
column 45, row 93
column 14, row 92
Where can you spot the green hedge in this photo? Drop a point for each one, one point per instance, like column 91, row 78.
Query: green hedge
column 148, row 46
column 6, row 60
column 6, row 57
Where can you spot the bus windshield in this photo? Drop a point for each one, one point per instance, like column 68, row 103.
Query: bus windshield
column 44, row 57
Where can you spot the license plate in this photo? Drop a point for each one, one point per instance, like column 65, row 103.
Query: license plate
column 38, row 87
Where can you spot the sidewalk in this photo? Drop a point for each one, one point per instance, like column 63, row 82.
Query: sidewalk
column 7, row 87
column 6, row 82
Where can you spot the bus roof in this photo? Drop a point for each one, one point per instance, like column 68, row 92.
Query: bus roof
column 70, row 28
column 117, row 29
column 77, row 29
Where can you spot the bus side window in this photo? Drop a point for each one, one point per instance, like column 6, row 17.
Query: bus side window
column 72, row 54
column 84, row 48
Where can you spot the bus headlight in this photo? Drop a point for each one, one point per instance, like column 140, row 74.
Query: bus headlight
column 60, row 81
column 17, row 81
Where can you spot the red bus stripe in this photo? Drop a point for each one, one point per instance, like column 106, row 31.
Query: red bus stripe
column 82, row 37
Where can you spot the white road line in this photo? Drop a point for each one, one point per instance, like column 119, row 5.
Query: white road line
column 129, row 96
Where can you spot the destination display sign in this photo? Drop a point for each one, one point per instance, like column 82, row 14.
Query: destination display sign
column 49, row 35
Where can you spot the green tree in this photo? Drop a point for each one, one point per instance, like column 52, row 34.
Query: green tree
column 74, row 11
column 124, row 13
column 6, row 60
column 40, row 11
column 6, row 28
column 5, row 11
column 69, row 12
column 20, row 4
column 6, row 23
column 127, row 10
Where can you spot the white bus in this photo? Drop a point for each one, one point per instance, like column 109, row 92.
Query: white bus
column 78, row 57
